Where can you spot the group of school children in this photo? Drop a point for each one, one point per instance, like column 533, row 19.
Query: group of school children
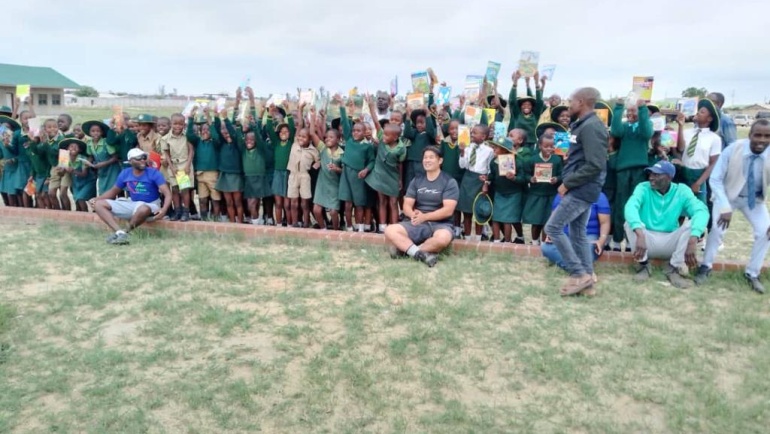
column 268, row 168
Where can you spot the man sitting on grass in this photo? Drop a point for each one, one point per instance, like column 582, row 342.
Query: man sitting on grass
column 652, row 223
column 429, row 205
column 144, row 185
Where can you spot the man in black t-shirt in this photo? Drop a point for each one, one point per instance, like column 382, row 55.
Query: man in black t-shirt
column 429, row 205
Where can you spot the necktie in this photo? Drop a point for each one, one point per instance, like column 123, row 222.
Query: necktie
column 693, row 144
column 472, row 160
column 751, row 186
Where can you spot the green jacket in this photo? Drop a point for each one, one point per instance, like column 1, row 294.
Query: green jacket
column 357, row 155
column 635, row 138
column 649, row 209
column 206, row 156
column 519, row 120
column 420, row 140
column 281, row 150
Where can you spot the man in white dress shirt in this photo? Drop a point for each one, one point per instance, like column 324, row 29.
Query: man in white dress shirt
column 740, row 181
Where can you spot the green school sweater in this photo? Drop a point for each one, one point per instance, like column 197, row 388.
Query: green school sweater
column 543, row 188
column 523, row 154
column 123, row 142
column 451, row 164
column 357, row 155
column 420, row 140
column 206, row 156
column 46, row 154
column 255, row 160
column 519, row 120
column 503, row 185
column 230, row 153
column 635, row 139
column 281, row 150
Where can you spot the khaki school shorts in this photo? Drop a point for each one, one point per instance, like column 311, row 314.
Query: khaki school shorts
column 57, row 181
column 299, row 186
column 206, row 184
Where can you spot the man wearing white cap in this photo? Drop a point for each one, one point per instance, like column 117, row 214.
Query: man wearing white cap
column 144, row 186
column 652, row 223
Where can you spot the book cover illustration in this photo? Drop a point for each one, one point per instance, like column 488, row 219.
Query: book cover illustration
column 463, row 135
column 64, row 158
column 688, row 106
column 642, row 87
column 500, row 132
column 668, row 138
column 23, row 92
column 30, row 188
column 34, row 127
column 420, row 82
column 472, row 116
column 394, row 86
column 528, row 63
column 307, row 97
column 444, row 95
column 472, row 88
column 493, row 69
column 547, row 72
column 117, row 116
column 604, row 115
column 561, row 143
column 507, row 164
column 183, row 179
column 415, row 100
column 658, row 123
column 543, row 172
column 491, row 113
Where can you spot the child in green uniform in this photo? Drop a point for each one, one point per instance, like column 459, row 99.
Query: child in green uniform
column 41, row 164
column 281, row 138
column 357, row 163
column 206, row 143
column 77, row 131
column 254, row 159
column 326, row 197
column 450, row 150
column 509, row 192
column 540, row 196
column 420, row 129
column 386, row 177
column 64, row 124
column 10, row 159
column 525, row 111
column 475, row 160
column 83, row 178
column 230, row 181
column 105, row 157
column 560, row 115
column 20, row 143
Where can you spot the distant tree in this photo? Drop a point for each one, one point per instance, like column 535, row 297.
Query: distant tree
column 87, row 92
column 692, row 92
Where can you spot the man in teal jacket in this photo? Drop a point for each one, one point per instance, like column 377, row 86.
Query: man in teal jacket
column 652, row 224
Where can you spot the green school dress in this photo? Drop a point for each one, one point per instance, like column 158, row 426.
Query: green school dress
column 281, row 152
column 537, row 208
column 83, row 187
column 509, row 194
column 230, row 168
column 108, row 175
column 19, row 143
column 527, row 123
column 9, row 169
column 41, row 168
column 384, row 177
column 451, row 157
column 327, row 188
column 256, row 183
column 357, row 157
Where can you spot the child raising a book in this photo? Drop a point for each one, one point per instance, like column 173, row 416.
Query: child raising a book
column 544, row 172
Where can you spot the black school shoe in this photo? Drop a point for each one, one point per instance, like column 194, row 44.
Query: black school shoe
column 428, row 259
column 755, row 284
column 176, row 216
column 184, row 215
column 702, row 275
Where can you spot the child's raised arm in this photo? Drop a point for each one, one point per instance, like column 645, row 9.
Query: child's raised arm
column 190, row 132
column 373, row 112
column 345, row 122
column 270, row 125
column 238, row 96
column 300, row 114
column 512, row 102
column 539, row 88
column 317, row 142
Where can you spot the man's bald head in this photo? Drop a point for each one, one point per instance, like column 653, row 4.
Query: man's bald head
column 583, row 101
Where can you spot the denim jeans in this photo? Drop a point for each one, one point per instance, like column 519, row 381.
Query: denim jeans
column 552, row 254
column 574, row 249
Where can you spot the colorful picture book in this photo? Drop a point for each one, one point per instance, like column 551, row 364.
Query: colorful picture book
column 394, row 86
column 420, row 82
column 307, row 97
column 493, row 69
column 472, row 87
column 415, row 100
column 34, row 127
column 117, row 115
column 490, row 115
column 183, row 180
column 604, row 115
column 472, row 116
column 23, row 92
column 543, row 172
column 501, row 130
column 642, row 87
column 463, row 135
column 506, row 163
column 332, row 110
column 30, row 188
column 668, row 138
column 358, row 106
column 528, row 63
column 658, row 123
column 64, row 158
column 221, row 103
column 688, row 106
column 443, row 96
column 561, row 143
column 547, row 72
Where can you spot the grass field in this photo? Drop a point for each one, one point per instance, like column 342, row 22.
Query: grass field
column 181, row 334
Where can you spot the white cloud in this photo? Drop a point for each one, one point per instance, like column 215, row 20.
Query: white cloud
column 200, row 46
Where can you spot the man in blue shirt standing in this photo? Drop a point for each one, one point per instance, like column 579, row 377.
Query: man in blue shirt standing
column 144, row 186
column 727, row 129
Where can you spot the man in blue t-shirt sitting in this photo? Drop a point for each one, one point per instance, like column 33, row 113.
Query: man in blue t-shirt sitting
column 144, row 186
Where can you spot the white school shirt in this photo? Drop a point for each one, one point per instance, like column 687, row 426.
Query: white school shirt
column 484, row 156
column 709, row 144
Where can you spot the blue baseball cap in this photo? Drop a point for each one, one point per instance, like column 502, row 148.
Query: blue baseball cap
column 662, row 168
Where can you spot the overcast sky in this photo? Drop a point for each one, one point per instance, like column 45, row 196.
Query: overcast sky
column 199, row 46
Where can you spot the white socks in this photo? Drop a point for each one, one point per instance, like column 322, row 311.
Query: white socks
column 412, row 250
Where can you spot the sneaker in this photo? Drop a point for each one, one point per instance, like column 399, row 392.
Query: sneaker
column 195, row 217
column 269, row 222
column 755, row 284
column 519, row 240
column 119, row 239
column 395, row 253
column 643, row 272
column 676, row 279
column 576, row 284
column 702, row 274
column 184, row 215
column 259, row 222
column 111, row 239
column 428, row 259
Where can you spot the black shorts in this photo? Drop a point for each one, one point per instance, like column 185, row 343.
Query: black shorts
column 420, row 233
